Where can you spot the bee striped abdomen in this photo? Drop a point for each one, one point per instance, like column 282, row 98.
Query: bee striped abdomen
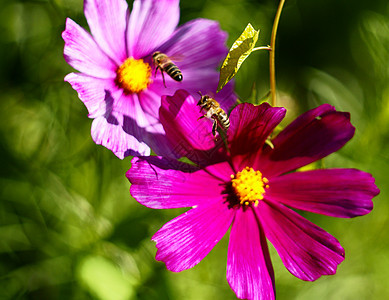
column 173, row 71
column 215, row 112
column 164, row 64
column 224, row 120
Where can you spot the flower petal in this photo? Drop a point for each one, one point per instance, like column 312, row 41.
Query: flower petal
column 138, row 122
column 107, row 21
column 83, row 54
column 129, row 106
column 249, row 269
column 342, row 193
column 122, row 126
column 222, row 171
column 187, row 135
column 197, row 44
column 151, row 23
column 183, row 242
column 92, row 91
column 306, row 250
column 109, row 133
column 150, row 102
column 227, row 97
column 165, row 183
column 250, row 127
column 312, row 136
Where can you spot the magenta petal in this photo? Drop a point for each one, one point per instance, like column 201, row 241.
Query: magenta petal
column 183, row 242
column 312, row 136
column 335, row 192
column 109, row 133
column 83, row 54
column 92, row 91
column 166, row 183
column 197, row 44
column 187, row 135
column 249, row 270
column 107, row 21
column 222, row 171
column 180, row 115
column 306, row 250
column 151, row 23
column 250, row 127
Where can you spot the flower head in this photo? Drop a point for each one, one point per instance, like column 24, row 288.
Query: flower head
column 252, row 189
column 119, row 82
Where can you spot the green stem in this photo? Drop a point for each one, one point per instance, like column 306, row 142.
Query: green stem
column 272, row 67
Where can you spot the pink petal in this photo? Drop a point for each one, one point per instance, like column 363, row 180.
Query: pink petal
column 197, row 44
column 109, row 133
column 183, row 242
column 187, row 135
column 165, row 183
column 150, row 102
column 144, row 126
column 151, row 23
column 107, row 21
column 249, row 270
column 306, row 250
column 312, row 136
column 83, row 54
column 250, row 127
column 227, row 97
column 335, row 192
column 126, row 128
column 129, row 106
column 92, row 91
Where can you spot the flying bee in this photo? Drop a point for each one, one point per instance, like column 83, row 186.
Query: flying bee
column 215, row 112
column 165, row 64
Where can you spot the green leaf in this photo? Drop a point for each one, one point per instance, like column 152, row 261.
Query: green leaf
column 105, row 280
column 239, row 51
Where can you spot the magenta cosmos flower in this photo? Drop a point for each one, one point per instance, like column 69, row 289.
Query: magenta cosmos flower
column 252, row 189
column 117, row 82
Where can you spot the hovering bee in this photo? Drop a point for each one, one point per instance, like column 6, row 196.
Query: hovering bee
column 164, row 63
column 215, row 112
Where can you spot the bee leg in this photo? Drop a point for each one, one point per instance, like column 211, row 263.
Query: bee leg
column 163, row 78
column 214, row 127
column 201, row 117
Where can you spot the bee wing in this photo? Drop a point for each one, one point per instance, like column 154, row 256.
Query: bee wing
column 210, row 94
column 177, row 57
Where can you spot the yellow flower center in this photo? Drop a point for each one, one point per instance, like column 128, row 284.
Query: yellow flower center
column 249, row 186
column 133, row 75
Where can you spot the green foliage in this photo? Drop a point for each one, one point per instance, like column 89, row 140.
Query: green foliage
column 68, row 226
column 239, row 51
column 105, row 280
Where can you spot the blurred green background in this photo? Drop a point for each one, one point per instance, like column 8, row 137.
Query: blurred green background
column 68, row 226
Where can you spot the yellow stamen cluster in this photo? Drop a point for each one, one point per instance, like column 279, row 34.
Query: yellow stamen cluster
column 133, row 75
column 249, row 186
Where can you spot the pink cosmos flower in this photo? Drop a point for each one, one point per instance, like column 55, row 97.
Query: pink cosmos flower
column 117, row 82
column 252, row 189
